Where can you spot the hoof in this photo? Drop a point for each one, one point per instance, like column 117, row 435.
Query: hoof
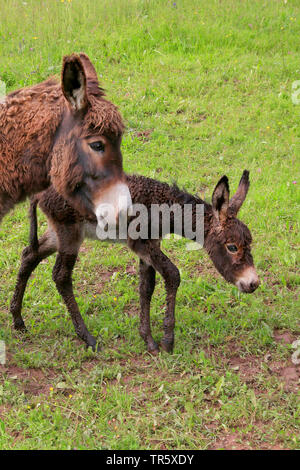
column 168, row 347
column 96, row 346
column 153, row 348
column 20, row 326
column 153, row 352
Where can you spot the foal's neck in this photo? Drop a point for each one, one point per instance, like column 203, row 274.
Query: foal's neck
column 200, row 212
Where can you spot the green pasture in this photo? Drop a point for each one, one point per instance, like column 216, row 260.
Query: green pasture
column 206, row 88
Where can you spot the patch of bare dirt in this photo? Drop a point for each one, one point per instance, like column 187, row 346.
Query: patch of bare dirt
column 236, row 441
column 33, row 381
column 89, row 365
column 248, row 367
column 283, row 337
column 131, row 270
column 230, row 442
column 288, row 373
column 104, row 277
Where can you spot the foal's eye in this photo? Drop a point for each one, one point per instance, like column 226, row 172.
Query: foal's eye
column 97, row 146
column 232, row 248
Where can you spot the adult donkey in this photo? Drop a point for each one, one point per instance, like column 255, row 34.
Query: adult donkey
column 66, row 133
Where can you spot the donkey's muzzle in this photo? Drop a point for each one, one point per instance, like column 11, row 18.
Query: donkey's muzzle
column 112, row 205
column 248, row 281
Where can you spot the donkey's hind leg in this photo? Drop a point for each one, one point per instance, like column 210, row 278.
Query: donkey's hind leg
column 146, row 288
column 6, row 204
column 31, row 257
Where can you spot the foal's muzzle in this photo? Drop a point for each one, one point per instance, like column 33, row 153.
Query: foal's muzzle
column 248, row 281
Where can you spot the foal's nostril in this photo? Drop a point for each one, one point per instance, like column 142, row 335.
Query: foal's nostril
column 254, row 285
column 248, row 282
column 248, row 288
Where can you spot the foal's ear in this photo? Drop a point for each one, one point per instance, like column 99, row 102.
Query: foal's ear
column 237, row 200
column 220, row 199
column 73, row 82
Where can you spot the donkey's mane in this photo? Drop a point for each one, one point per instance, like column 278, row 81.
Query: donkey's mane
column 104, row 116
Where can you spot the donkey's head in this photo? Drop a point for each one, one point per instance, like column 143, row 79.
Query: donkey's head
column 228, row 241
column 86, row 158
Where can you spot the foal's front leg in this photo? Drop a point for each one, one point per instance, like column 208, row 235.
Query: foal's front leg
column 151, row 254
column 146, row 288
column 62, row 276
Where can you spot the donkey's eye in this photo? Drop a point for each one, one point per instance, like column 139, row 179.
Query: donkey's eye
column 97, row 146
column 232, row 248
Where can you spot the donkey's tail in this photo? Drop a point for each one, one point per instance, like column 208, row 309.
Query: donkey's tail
column 33, row 236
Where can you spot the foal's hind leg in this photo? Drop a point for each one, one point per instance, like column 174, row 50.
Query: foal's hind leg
column 146, row 288
column 30, row 260
column 70, row 240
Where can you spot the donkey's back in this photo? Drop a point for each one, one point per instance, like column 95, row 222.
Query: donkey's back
column 29, row 119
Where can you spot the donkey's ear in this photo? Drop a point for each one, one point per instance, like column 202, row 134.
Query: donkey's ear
column 237, row 200
column 220, row 199
column 89, row 68
column 73, row 82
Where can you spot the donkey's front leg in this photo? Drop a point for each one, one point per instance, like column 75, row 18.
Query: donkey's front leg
column 62, row 276
column 146, row 288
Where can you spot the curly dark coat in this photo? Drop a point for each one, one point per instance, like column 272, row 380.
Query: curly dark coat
column 226, row 239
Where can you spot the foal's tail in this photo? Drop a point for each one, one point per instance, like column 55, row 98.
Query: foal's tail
column 33, row 236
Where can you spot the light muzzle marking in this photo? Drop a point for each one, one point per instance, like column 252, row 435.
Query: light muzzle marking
column 112, row 206
column 248, row 281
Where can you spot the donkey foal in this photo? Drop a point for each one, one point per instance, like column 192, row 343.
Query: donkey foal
column 226, row 239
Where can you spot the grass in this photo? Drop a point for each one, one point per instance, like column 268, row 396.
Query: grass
column 210, row 86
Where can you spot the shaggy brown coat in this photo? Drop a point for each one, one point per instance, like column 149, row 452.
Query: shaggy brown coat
column 41, row 131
